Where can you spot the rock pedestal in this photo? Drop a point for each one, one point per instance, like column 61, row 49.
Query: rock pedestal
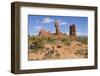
column 73, row 31
column 57, row 28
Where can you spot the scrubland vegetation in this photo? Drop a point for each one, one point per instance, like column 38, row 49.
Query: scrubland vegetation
column 52, row 47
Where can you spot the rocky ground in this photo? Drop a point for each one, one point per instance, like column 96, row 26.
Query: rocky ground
column 75, row 50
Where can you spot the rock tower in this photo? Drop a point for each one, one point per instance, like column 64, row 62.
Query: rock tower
column 73, row 31
column 57, row 27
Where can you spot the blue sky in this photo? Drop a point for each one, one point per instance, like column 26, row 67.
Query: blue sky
column 37, row 22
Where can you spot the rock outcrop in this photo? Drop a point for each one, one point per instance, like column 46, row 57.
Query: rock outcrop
column 73, row 31
column 57, row 27
column 43, row 32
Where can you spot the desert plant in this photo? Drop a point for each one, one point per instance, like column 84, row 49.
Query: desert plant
column 37, row 44
column 66, row 41
column 51, row 40
column 83, row 39
column 57, row 55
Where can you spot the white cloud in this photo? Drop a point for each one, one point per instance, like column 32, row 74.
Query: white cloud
column 81, row 34
column 47, row 20
column 38, row 27
column 63, row 23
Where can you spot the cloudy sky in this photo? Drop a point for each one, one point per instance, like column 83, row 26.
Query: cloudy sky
column 37, row 22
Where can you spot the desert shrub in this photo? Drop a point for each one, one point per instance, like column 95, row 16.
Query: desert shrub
column 66, row 41
column 44, row 40
column 38, row 44
column 32, row 38
column 57, row 55
column 48, row 53
column 63, row 39
column 51, row 40
column 83, row 39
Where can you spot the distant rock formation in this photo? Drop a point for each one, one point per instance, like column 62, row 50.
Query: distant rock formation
column 43, row 32
column 73, row 31
column 57, row 27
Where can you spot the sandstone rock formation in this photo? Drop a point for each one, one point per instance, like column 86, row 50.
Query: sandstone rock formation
column 43, row 32
column 73, row 31
column 57, row 27
column 58, row 32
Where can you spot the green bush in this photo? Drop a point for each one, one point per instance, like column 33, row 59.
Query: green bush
column 38, row 44
column 51, row 40
column 83, row 39
column 66, row 41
